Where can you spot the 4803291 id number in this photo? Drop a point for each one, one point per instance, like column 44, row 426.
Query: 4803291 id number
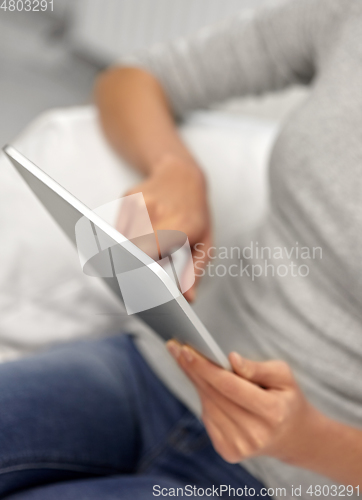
column 333, row 491
column 26, row 5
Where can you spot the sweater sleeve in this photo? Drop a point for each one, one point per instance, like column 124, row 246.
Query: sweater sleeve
column 248, row 54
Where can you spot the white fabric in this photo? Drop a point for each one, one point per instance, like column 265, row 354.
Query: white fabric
column 44, row 297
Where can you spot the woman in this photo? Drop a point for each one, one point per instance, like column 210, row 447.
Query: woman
column 107, row 427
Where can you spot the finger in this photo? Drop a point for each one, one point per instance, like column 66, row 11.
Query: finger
column 241, row 433
column 269, row 374
column 134, row 223
column 189, row 294
column 200, row 261
column 251, row 425
column 227, row 438
column 227, row 418
column 219, row 441
column 175, row 349
column 252, row 428
column 248, row 431
column 132, row 215
column 242, row 392
column 124, row 221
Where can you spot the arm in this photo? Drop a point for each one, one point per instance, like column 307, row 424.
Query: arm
column 260, row 410
column 137, row 119
column 245, row 55
column 137, row 104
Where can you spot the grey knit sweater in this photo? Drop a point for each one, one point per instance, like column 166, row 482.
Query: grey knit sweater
column 311, row 314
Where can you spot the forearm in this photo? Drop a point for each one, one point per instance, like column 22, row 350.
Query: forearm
column 330, row 448
column 137, row 119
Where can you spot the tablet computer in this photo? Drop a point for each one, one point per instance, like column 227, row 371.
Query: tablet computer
column 138, row 280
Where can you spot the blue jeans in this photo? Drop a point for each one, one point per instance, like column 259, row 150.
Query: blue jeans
column 90, row 420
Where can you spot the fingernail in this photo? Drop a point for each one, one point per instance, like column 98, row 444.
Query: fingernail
column 187, row 354
column 237, row 360
column 173, row 348
column 192, row 294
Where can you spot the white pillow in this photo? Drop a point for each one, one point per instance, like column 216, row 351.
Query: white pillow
column 44, row 297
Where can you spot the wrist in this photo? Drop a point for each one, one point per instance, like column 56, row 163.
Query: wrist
column 312, row 431
column 182, row 164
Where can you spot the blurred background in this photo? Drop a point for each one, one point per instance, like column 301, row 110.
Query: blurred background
column 50, row 59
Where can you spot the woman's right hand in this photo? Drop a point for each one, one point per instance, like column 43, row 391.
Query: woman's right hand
column 176, row 198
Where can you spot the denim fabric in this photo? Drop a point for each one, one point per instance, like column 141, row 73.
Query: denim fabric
column 91, row 421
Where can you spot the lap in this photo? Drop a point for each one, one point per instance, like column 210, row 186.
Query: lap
column 77, row 410
column 92, row 416
column 126, row 487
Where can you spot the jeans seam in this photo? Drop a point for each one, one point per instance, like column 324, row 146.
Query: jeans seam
column 174, row 439
column 42, row 460
column 156, row 451
column 170, row 439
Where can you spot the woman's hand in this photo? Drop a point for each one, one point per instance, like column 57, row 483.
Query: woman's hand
column 137, row 118
column 260, row 410
column 176, row 198
column 257, row 410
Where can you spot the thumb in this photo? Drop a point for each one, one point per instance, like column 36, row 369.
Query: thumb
column 199, row 261
column 268, row 374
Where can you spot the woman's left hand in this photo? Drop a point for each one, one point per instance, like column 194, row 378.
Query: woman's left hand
column 256, row 410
